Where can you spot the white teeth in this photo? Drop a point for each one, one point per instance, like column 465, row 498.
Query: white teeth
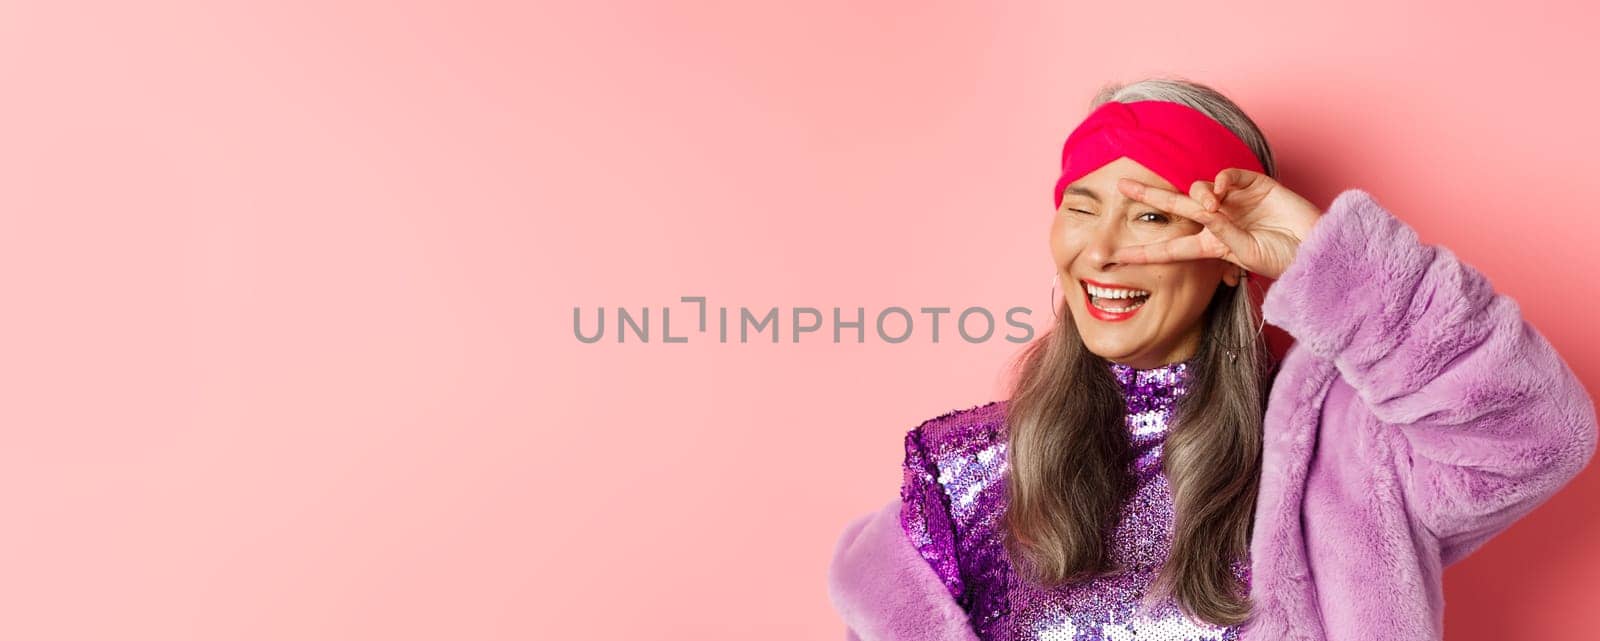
column 1102, row 292
column 1095, row 300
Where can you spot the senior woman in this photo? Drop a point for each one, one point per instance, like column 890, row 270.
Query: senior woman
column 1155, row 474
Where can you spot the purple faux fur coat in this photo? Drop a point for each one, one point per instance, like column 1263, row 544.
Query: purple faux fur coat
column 1416, row 416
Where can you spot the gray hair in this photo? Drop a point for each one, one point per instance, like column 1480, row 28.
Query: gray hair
column 1209, row 101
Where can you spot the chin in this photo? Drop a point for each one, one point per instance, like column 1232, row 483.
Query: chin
column 1109, row 352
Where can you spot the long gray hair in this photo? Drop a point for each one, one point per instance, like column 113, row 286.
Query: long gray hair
column 1069, row 449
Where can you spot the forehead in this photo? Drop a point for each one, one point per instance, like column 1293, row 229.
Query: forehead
column 1102, row 182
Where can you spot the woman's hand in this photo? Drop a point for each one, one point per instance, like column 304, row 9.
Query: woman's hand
column 1250, row 220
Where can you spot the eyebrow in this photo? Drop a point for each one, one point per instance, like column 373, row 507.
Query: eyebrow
column 1083, row 191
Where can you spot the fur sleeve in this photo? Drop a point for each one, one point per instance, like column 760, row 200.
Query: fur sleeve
column 1494, row 421
column 885, row 591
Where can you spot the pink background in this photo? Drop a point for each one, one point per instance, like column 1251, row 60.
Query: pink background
column 289, row 286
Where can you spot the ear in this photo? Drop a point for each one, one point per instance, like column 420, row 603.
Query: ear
column 1231, row 275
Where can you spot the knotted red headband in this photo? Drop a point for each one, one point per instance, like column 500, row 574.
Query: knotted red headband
column 1176, row 141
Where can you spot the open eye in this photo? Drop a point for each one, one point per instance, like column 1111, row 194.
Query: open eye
column 1160, row 217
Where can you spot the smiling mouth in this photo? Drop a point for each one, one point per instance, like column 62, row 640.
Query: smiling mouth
column 1115, row 300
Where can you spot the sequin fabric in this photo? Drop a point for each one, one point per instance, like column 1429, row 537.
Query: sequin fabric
column 954, row 494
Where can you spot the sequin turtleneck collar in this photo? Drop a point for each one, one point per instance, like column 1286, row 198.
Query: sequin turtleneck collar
column 1151, row 395
column 1146, row 389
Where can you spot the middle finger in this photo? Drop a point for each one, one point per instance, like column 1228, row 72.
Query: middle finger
column 1166, row 200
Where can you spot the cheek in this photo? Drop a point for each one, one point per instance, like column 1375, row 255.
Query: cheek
column 1064, row 243
column 1189, row 293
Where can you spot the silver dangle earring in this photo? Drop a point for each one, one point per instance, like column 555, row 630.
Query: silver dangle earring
column 1244, row 281
column 1233, row 354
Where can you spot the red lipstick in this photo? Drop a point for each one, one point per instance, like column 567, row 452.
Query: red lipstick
column 1105, row 315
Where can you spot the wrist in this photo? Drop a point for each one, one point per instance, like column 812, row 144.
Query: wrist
column 1299, row 229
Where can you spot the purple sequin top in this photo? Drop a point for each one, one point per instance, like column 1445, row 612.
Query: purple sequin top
column 954, row 494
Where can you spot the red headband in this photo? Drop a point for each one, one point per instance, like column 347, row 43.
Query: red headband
column 1176, row 141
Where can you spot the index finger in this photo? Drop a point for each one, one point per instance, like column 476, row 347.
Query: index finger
column 1189, row 247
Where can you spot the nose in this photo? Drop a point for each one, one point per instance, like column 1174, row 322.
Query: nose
column 1105, row 239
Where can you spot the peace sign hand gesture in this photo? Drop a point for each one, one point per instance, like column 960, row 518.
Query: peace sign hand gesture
column 1251, row 220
